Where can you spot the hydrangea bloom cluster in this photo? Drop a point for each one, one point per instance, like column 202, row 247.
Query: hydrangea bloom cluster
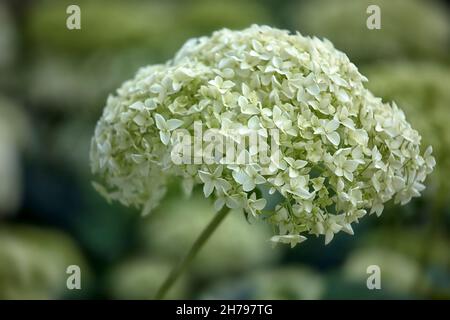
column 342, row 153
column 426, row 101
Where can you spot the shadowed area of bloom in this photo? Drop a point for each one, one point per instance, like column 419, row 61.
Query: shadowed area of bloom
column 341, row 152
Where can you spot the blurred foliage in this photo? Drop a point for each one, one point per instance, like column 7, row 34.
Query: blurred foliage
column 54, row 83
column 140, row 278
column 158, row 27
column 408, row 242
column 7, row 38
column 14, row 136
column 409, row 28
column 140, row 32
column 399, row 273
column 426, row 252
column 290, row 282
column 111, row 25
column 236, row 245
column 33, row 262
column 68, row 89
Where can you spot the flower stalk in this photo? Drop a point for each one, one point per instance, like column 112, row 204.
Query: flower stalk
column 178, row 270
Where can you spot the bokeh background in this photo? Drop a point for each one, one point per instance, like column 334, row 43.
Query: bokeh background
column 53, row 86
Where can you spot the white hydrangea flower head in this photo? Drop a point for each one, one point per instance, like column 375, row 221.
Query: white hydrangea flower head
column 341, row 152
column 426, row 100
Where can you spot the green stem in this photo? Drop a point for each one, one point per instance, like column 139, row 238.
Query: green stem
column 198, row 244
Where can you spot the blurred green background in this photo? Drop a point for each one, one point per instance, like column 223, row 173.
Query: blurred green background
column 53, row 86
